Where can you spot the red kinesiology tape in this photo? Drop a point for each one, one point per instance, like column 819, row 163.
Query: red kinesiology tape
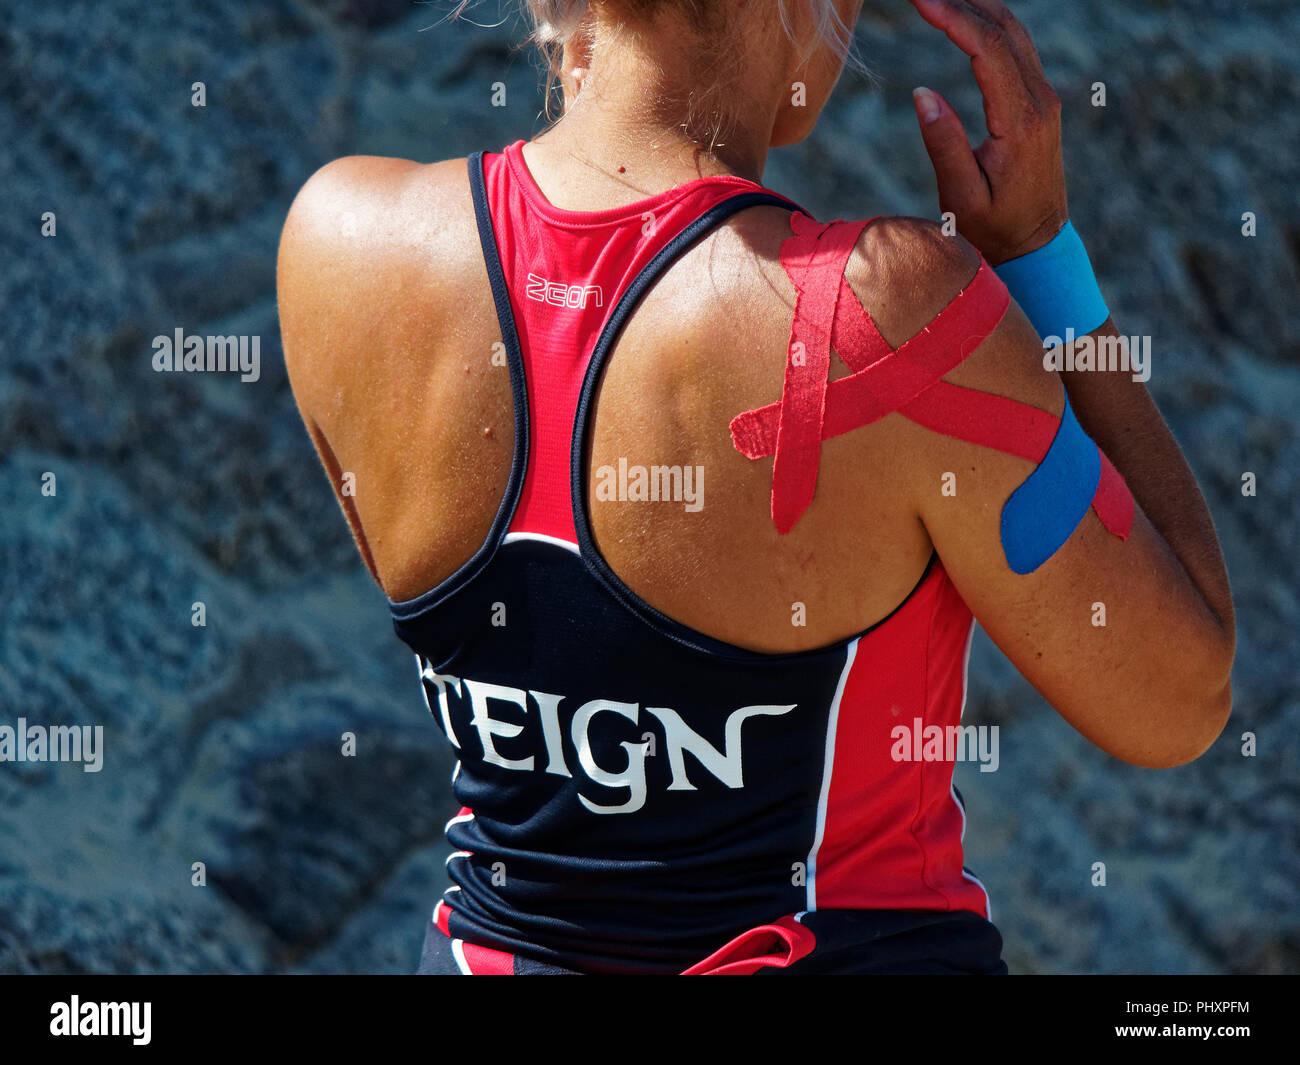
column 907, row 380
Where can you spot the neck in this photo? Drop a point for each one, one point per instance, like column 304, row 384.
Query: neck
column 637, row 103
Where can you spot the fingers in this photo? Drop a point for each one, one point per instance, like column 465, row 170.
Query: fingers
column 962, row 184
column 1005, row 64
column 1031, row 66
column 995, row 13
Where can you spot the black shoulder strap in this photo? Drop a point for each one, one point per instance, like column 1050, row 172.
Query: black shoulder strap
column 618, row 317
column 515, row 360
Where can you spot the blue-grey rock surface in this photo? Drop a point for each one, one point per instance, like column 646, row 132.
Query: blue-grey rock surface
column 222, row 743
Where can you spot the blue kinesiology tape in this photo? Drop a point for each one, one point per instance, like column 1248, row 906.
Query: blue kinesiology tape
column 1041, row 514
column 1055, row 286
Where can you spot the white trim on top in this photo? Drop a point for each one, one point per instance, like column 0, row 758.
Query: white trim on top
column 828, row 765
column 952, row 788
column 458, row 819
column 542, row 538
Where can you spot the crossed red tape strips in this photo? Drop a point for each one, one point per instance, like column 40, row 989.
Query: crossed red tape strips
column 907, row 380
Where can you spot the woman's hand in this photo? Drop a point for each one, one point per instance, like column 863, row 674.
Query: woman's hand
column 1008, row 195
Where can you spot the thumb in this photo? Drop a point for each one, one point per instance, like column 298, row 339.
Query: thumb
column 955, row 166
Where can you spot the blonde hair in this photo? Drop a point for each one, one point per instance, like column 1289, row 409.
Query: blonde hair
column 555, row 22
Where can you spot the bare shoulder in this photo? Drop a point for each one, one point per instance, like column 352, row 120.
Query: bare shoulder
column 355, row 253
column 904, row 271
column 361, row 202
column 356, row 180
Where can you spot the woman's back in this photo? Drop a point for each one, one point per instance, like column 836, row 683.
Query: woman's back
column 418, row 334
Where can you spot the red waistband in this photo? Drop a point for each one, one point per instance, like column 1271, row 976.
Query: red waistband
column 776, row 945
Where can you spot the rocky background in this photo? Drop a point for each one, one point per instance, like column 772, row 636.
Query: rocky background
column 222, row 742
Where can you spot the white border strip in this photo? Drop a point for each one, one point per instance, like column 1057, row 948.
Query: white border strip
column 952, row 788
column 541, row 538
column 828, row 766
column 458, row 819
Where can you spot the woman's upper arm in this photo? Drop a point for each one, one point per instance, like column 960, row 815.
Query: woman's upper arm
column 318, row 290
column 1109, row 630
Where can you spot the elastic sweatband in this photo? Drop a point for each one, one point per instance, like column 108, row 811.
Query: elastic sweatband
column 1041, row 514
column 1056, row 288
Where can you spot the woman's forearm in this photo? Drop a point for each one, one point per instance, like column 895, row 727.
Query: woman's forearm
column 1122, row 418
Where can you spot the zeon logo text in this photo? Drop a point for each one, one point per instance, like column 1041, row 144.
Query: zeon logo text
column 561, row 295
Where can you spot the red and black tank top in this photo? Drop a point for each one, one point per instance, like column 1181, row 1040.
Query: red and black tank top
column 636, row 796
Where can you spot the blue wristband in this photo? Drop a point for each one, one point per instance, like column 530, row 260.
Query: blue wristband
column 1056, row 288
